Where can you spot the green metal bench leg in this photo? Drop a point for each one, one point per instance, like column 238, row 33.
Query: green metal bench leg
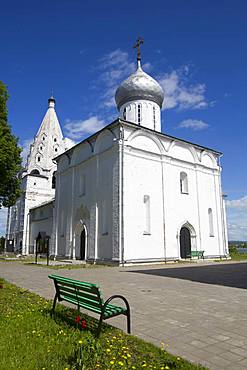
column 99, row 326
column 127, row 311
column 54, row 304
column 128, row 322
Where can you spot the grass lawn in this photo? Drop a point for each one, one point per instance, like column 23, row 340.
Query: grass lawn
column 41, row 262
column 31, row 339
column 238, row 257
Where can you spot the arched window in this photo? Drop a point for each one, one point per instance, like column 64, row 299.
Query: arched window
column 211, row 222
column 146, row 201
column 184, row 189
column 154, row 117
column 124, row 113
column 53, row 185
column 139, row 114
column 34, row 172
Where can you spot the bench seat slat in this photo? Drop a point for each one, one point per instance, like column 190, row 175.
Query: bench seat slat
column 112, row 310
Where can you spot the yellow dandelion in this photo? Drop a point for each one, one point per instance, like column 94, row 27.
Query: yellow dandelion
column 120, row 363
column 80, row 342
column 128, row 355
column 108, row 350
column 178, row 358
column 112, row 362
column 167, row 367
column 133, row 367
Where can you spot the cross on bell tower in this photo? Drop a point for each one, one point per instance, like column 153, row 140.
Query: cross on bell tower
column 137, row 46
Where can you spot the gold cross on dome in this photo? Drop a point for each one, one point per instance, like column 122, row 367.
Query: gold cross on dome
column 137, row 46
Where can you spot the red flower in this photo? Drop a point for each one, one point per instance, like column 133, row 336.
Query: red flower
column 83, row 324
column 78, row 319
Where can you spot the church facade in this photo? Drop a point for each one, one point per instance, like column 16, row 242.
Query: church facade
column 131, row 194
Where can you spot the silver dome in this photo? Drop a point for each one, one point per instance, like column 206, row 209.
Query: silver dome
column 139, row 86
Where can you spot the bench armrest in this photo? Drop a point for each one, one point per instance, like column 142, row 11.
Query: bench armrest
column 116, row 296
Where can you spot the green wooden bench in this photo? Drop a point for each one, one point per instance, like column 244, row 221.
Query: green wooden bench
column 88, row 296
column 198, row 254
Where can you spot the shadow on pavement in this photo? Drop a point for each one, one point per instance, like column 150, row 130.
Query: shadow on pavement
column 232, row 275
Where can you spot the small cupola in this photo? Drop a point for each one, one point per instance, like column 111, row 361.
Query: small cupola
column 51, row 102
column 139, row 98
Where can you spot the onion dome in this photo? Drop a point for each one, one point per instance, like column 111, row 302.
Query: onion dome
column 139, row 86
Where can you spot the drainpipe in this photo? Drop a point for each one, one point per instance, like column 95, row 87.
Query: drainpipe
column 121, row 184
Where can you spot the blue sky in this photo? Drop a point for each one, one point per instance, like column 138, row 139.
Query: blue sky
column 82, row 50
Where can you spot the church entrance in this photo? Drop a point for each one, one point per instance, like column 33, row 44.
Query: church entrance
column 80, row 240
column 185, row 242
column 83, row 245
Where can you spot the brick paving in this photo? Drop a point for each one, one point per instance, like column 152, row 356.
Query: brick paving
column 198, row 310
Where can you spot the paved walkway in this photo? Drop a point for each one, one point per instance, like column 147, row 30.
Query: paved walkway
column 198, row 310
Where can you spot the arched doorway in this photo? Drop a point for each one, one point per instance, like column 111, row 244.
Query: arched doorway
column 83, row 244
column 185, row 242
column 80, row 240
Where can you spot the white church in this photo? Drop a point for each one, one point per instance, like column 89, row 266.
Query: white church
column 127, row 194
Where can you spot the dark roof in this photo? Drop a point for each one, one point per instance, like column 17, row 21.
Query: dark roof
column 121, row 121
column 43, row 204
column 171, row 137
column 35, row 175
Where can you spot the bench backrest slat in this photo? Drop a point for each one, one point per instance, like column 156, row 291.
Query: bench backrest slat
column 69, row 281
column 78, row 294
column 82, row 292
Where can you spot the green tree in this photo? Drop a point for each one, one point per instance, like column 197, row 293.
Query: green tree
column 10, row 159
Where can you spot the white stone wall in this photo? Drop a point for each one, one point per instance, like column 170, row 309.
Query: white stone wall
column 85, row 199
column 41, row 220
column 123, row 187
column 152, row 166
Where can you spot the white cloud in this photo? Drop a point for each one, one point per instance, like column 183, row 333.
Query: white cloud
column 115, row 67
column 193, row 124
column 238, row 203
column 237, row 218
column 25, row 150
column 77, row 129
column 180, row 93
column 3, row 220
column 69, row 143
column 179, row 89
